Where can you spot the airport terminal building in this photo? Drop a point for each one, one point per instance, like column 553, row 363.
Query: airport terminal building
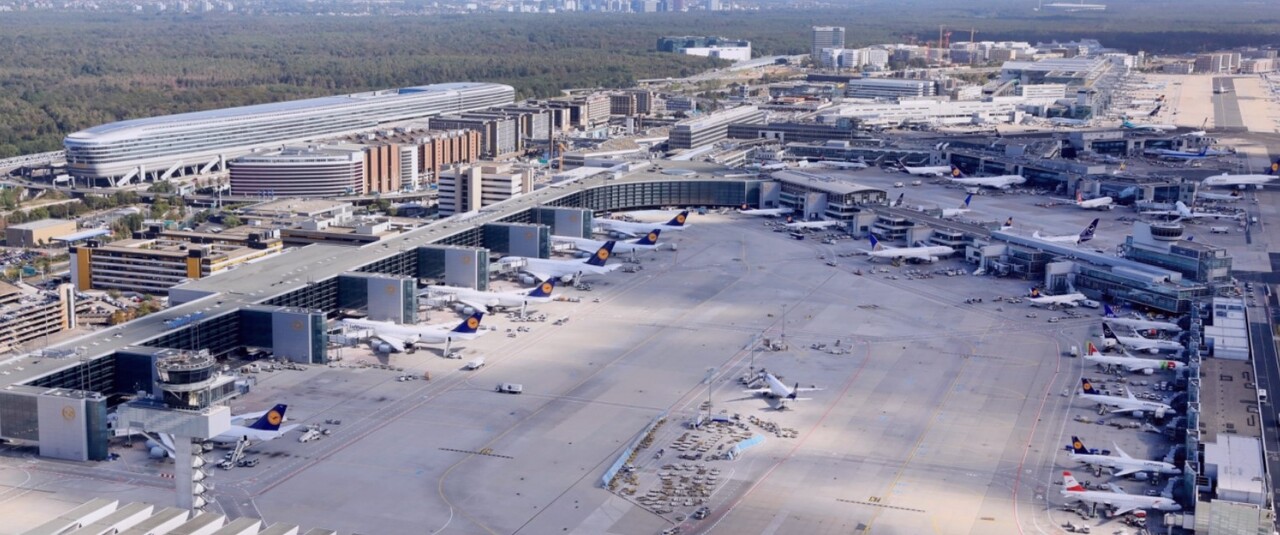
column 200, row 141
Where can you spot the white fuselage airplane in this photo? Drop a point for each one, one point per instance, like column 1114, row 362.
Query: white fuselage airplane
column 400, row 338
column 1110, row 316
column 267, row 427
column 1097, row 203
column 1120, row 405
column 1119, row 502
column 928, row 253
column 1221, row 197
column 541, row 293
column 1121, row 465
column 631, row 229
column 1064, row 121
column 1074, row 239
column 766, row 212
column 1138, row 343
column 1149, row 127
column 927, row 170
column 648, row 242
column 960, row 210
column 1066, row 300
column 996, row 182
column 1182, row 211
column 1240, row 181
column 1132, row 364
column 815, row 224
column 833, row 164
column 775, row 389
column 566, row 269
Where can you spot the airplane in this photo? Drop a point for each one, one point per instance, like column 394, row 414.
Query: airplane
column 1122, row 465
column 1241, row 181
column 1119, row 502
column 1120, row 405
column 1074, row 239
column 1138, row 343
column 1148, row 127
column 928, row 170
column 928, row 253
column 648, row 242
column 997, row 182
column 1132, row 364
column 962, row 209
column 1064, row 121
column 1066, row 300
column 1008, row 224
column 833, row 164
column 399, row 338
column 1221, row 197
column 567, row 269
column 1205, row 152
column 541, row 293
column 265, row 428
column 1109, row 316
column 628, row 229
column 827, row 223
column 1181, row 211
column 1096, row 203
column 777, row 390
column 766, row 212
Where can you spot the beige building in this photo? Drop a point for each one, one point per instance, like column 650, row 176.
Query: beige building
column 472, row 187
column 27, row 313
column 38, row 233
column 155, row 260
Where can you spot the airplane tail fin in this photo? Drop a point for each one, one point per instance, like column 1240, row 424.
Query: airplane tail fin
column 469, row 325
column 1079, row 196
column 678, row 220
column 1034, row 292
column 794, row 391
column 1087, row 233
column 649, row 239
column 875, row 244
column 899, row 201
column 1009, row 222
column 271, row 420
column 1108, row 312
column 1127, row 124
column 1204, row 151
column 1107, row 332
column 967, row 198
column 1069, row 483
column 1275, row 168
column 602, row 254
column 543, row 289
column 956, row 172
column 1086, row 386
column 1182, row 208
column 1077, row 446
column 1091, row 349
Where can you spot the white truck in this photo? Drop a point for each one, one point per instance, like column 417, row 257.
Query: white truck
column 1220, row 230
column 510, row 388
column 475, row 364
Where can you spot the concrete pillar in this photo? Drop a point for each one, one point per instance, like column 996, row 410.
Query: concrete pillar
column 182, row 472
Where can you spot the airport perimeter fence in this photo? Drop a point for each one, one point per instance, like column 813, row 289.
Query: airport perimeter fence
column 629, row 451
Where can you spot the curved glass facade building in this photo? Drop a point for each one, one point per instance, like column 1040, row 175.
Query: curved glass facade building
column 202, row 139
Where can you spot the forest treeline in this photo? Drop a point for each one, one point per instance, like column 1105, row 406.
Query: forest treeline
column 63, row 72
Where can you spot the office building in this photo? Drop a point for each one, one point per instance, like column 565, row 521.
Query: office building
column 929, row 110
column 623, row 104
column 730, row 53
column 1162, row 245
column 156, row 260
column 200, row 141
column 678, row 43
column 797, row 132
column 890, row 88
column 444, row 148
column 826, row 37
column 1218, row 63
column 465, row 188
column 312, row 171
column 828, row 195
column 711, row 128
column 28, row 313
column 1072, row 72
column 38, row 233
column 499, row 135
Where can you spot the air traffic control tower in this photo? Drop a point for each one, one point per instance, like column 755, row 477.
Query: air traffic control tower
column 188, row 385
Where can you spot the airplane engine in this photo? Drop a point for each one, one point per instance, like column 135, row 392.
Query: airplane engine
column 933, row 259
column 383, row 348
column 157, row 452
column 461, row 308
column 527, row 280
column 411, row 340
column 1153, row 350
column 617, row 235
column 582, row 254
column 566, row 278
column 152, row 444
column 1140, row 476
column 1148, row 371
column 1159, row 414
column 1138, row 414
column 468, row 310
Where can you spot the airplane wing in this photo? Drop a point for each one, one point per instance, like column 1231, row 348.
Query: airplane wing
column 475, row 303
column 392, row 341
column 1122, row 509
column 1122, row 410
column 757, row 391
column 804, row 389
column 800, row 399
column 1126, row 472
column 538, row 273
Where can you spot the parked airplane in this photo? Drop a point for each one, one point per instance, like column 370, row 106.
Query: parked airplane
column 1066, row 300
column 1221, row 197
column 1149, row 127
column 648, row 242
column 566, row 269
column 1118, row 502
column 487, row 301
column 1109, row 316
column 826, row 223
column 1138, row 343
column 766, row 212
column 399, row 338
column 842, row 165
column 1132, row 364
column 1168, row 154
column 265, row 428
column 1096, row 203
column 927, row 253
column 1074, row 239
column 962, row 209
column 1122, row 465
column 927, row 170
column 1241, row 181
column 1181, row 211
column 1129, row 403
column 629, row 229
column 1064, row 121
column 998, row 182
column 775, row 389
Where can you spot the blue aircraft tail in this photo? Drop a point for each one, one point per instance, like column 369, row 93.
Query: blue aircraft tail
column 1108, row 312
column 956, row 172
column 271, row 420
column 1077, row 446
column 1087, row 233
column 543, row 288
column 602, row 254
column 679, row 219
column 1087, row 386
column 469, row 325
column 875, row 244
column 967, row 198
column 1274, row 169
column 649, row 239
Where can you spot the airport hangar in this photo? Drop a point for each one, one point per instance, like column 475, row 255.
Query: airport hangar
column 59, row 399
